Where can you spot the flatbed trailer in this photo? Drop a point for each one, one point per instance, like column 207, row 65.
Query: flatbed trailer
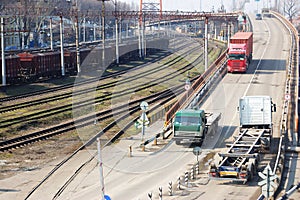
column 240, row 161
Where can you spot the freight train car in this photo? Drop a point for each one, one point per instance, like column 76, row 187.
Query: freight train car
column 11, row 72
column 28, row 67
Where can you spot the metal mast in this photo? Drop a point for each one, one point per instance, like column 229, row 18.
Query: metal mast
column 149, row 6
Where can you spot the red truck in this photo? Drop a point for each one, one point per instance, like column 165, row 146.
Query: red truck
column 240, row 52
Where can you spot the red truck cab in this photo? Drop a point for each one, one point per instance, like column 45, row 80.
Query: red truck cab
column 239, row 53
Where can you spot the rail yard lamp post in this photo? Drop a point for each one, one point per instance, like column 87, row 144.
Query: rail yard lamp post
column 51, row 33
column 62, row 45
column 200, row 6
column 77, row 42
column 3, row 53
column 206, row 44
column 75, row 10
column 77, row 39
column 103, row 31
column 117, row 32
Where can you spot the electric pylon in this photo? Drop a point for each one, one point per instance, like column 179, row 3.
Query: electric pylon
column 150, row 6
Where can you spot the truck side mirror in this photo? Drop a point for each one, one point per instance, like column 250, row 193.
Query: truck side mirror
column 238, row 109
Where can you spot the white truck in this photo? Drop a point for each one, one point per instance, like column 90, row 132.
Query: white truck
column 240, row 161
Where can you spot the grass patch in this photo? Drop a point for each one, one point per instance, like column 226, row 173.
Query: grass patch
column 5, row 155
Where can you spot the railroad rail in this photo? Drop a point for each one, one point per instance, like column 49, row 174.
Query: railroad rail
column 163, row 98
column 56, row 110
column 68, row 86
column 199, row 86
column 167, row 98
column 84, row 121
column 55, row 130
column 64, row 87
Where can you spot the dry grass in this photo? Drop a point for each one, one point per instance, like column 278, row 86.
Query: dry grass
column 38, row 154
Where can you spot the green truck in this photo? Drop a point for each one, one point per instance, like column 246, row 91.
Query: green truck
column 192, row 125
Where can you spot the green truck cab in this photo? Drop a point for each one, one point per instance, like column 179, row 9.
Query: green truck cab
column 189, row 125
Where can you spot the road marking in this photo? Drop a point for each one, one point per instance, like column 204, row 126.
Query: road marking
column 262, row 55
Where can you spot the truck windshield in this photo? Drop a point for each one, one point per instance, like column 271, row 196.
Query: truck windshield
column 236, row 56
column 187, row 120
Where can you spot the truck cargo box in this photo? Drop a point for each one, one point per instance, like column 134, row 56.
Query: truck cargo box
column 255, row 110
column 243, row 38
column 239, row 53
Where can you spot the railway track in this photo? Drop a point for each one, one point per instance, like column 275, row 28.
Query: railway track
column 99, row 99
column 7, row 108
column 84, row 121
column 56, row 89
column 57, row 110
column 163, row 98
column 55, row 130
column 71, row 85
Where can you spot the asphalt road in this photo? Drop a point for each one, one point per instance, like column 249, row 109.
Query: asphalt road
column 134, row 177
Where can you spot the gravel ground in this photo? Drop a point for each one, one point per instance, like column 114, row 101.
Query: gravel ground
column 37, row 155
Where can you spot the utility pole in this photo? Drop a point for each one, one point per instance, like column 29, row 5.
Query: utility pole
column 103, row 31
column 102, row 194
column 149, row 6
column 62, row 46
column 206, row 44
column 77, row 40
column 51, row 34
column 3, row 53
column 117, row 34
column 77, row 44
column 200, row 5
column 75, row 10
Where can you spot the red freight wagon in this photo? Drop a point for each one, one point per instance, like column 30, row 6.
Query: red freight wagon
column 12, row 66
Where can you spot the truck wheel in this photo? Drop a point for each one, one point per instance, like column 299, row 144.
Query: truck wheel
column 205, row 132
column 251, row 176
column 177, row 142
column 251, row 173
column 198, row 143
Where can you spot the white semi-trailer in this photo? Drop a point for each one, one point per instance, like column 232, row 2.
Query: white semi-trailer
column 240, row 161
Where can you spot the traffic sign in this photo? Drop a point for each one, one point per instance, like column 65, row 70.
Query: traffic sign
column 142, row 120
column 264, row 182
column 144, row 105
column 187, row 81
column 265, row 189
column 268, row 184
column 106, row 197
column 267, row 170
column 287, row 97
column 187, row 84
column 197, row 151
column 187, row 87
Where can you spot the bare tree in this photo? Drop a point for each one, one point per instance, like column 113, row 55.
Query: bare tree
column 291, row 9
column 30, row 16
